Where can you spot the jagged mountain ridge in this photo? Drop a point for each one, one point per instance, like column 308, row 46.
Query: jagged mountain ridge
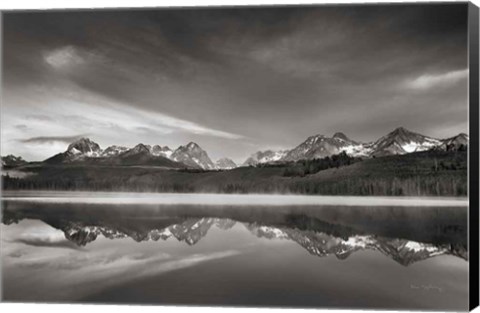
column 320, row 146
column 85, row 150
column 84, row 147
column 455, row 143
column 399, row 141
column 78, row 150
column 402, row 141
column 141, row 155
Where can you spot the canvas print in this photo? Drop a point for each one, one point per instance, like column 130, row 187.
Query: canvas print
column 295, row 156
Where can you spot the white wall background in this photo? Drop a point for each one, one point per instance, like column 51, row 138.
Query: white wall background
column 47, row 4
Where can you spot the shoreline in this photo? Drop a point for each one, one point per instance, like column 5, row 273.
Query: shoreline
column 214, row 199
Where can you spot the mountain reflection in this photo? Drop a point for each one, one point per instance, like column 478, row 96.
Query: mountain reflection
column 83, row 224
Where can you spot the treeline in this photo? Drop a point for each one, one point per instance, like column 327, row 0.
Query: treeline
column 14, row 183
column 421, row 174
column 443, row 185
column 307, row 167
column 451, row 165
column 414, row 186
column 436, row 185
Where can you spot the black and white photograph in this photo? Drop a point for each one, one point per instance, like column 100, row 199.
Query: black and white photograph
column 294, row 156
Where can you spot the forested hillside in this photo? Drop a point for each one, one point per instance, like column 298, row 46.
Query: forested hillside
column 430, row 173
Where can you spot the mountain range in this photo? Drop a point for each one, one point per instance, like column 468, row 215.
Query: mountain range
column 398, row 142
column 87, row 151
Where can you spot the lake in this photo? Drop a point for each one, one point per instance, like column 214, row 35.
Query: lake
column 245, row 250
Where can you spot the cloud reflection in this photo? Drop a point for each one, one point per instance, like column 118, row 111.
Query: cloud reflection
column 92, row 270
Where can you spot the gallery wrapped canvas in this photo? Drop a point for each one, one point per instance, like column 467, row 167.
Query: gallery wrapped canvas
column 306, row 156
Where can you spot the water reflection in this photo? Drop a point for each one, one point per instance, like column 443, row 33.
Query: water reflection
column 406, row 235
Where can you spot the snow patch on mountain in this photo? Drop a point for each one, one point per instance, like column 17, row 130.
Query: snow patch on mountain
column 113, row 151
column 157, row 150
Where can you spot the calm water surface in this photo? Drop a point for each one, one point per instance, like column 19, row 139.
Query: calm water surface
column 235, row 250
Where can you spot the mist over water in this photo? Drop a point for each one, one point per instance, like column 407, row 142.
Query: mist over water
column 298, row 254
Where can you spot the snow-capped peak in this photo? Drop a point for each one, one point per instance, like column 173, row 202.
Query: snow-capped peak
column 320, row 146
column 401, row 141
column 194, row 156
column 84, row 147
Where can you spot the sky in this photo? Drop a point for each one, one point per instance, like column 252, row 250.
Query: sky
column 233, row 80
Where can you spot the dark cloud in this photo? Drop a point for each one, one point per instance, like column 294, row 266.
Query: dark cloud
column 62, row 139
column 21, row 126
column 276, row 74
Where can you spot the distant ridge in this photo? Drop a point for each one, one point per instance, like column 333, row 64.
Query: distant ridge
column 225, row 164
column 397, row 142
column 402, row 141
column 87, row 151
column 265, row 157
column 12, row 161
